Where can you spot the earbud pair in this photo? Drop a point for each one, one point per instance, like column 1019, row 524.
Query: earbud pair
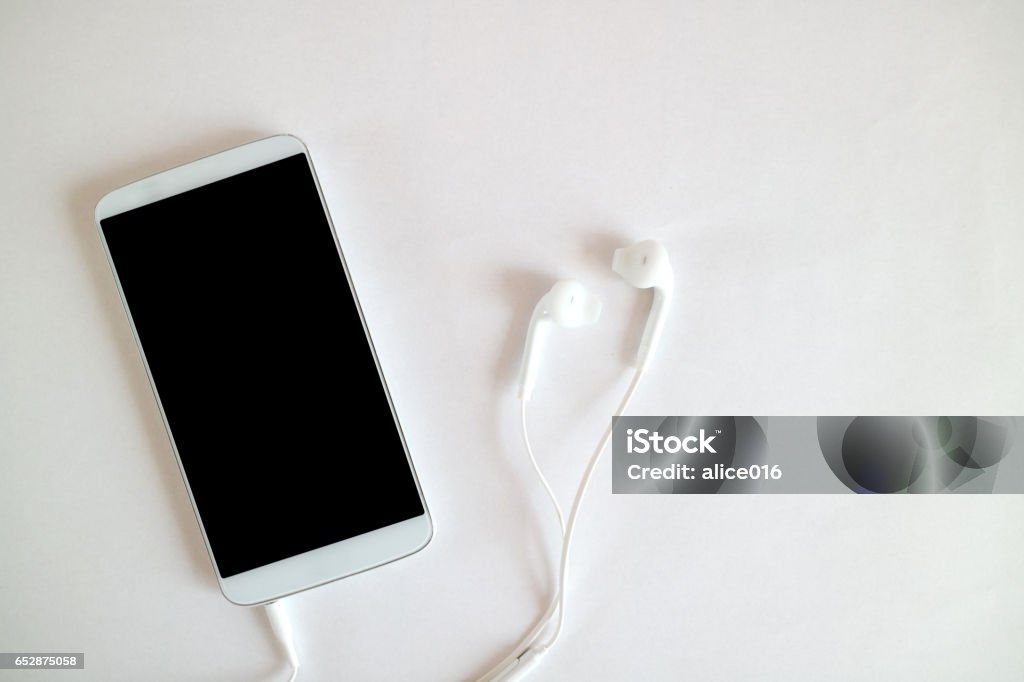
column 569, row 304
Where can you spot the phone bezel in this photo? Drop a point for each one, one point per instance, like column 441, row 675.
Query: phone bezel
column 319, row 566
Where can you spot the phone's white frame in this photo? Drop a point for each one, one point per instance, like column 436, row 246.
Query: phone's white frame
column 319, row 566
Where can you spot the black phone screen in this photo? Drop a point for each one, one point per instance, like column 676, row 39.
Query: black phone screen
column 261, row 365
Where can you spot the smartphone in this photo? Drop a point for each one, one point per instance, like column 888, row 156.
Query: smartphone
column 263, row 369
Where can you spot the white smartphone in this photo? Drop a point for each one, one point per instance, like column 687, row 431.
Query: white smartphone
column 251, row 333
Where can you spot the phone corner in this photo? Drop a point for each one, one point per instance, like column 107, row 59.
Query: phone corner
column 295, row 140
column 235, row 599
column 428, row 535
column 102, row 209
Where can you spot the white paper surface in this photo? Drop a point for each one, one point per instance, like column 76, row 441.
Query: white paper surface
column 840, row 185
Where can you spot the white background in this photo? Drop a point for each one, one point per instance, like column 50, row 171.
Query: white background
column 841, row 187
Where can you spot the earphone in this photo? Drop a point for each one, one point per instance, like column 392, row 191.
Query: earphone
column 568, row 304
column 644, row 265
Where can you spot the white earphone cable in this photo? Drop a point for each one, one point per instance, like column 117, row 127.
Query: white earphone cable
column 577, row 503
column 506, row 669
column 281, row 624
column 504, row 665
column 537, row 470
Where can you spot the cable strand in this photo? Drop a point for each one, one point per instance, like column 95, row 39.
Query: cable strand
column 507, row 664
column 281, row 624
column 537, row 470
column 578, row 502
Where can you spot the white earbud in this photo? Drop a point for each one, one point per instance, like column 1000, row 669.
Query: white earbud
column 568, row 304
column 645, row 265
